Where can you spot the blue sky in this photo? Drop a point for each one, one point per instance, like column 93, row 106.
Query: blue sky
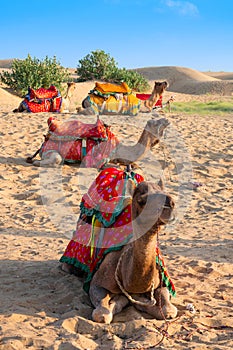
column 197, row 34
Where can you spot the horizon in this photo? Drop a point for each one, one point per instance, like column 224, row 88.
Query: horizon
column 137, row 34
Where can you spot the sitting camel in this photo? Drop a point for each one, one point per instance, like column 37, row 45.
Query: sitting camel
column 158, row 90
column 113, row 105
column 124, row 155
column 62, row 107
column 122, row 260
column 132, row 274
column 66, row 100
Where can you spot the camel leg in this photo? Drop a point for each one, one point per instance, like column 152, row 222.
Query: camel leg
column 147, row 106
column 53, row 159
column 163, row 309
column 106, row 304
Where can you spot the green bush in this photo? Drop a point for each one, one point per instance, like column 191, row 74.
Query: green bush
column 134, row 80
column 98, row 65
column 35, row 73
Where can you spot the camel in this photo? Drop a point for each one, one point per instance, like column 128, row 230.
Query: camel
column 124, row 155
column 149, row 101
column 132, row 274
column 159, row 88
column 65, row 101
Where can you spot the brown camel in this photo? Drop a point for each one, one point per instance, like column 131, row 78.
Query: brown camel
column 66, row 100
column 131, row 274
column 158, row 90
column 124, row 155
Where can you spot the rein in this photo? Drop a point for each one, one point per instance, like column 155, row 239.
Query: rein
column 151, row 302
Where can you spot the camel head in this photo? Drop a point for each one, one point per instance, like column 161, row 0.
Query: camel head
column 151, row 206
column 155, row 129
column 159, row 87
column 70, row 89
column 71, row 86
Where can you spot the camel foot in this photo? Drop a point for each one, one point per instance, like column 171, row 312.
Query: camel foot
column 163, row 309
column 166, row 309
column 66, row 268
column 54, row 160
column 73, row 270
column 102, row 315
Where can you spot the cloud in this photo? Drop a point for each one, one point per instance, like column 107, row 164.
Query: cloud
column 184, row 8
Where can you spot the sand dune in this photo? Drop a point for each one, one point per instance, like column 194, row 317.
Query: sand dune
column 187, row 80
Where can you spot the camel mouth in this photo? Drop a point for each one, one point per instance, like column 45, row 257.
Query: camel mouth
column 168, row 212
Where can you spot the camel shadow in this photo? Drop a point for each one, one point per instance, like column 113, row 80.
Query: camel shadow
column 14, row 160
column 35, row 286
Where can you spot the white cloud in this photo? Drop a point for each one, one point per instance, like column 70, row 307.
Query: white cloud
column 182, row 7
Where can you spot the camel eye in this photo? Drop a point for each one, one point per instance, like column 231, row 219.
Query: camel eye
column 142, row 199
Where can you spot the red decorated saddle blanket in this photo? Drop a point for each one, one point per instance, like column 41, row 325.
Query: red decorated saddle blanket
column 78, row 142
column 43, row 100
column 109, row 226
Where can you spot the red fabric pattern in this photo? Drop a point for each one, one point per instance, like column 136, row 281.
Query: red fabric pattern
column 107, row 193
column 43, row 100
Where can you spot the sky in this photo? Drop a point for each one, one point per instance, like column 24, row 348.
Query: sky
column 196, row 34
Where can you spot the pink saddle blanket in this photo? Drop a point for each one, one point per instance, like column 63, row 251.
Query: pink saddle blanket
column 78, row 142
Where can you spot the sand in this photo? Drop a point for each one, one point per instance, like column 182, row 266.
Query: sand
column 44, row 308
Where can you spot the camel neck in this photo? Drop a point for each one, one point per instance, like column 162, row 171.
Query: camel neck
column 129, row 154
column 144, row 247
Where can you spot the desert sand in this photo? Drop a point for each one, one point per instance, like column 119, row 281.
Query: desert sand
column 42, row 307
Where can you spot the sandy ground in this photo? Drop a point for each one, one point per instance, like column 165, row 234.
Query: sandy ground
column 44, row 308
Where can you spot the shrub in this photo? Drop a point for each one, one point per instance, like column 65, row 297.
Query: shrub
column 98, row 65
column 134, row 80
column 35, row 73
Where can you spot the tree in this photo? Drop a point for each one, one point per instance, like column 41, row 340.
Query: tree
column 35, row 73
column 98, row 65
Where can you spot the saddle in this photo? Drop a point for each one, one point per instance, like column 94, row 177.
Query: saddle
column 108, row 98
column 77, row 142
column 42, row 100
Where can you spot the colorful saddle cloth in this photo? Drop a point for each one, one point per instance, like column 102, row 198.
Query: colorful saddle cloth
column 43, row 100
column 109, row 227
column 108, row 98
column 78, row 142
